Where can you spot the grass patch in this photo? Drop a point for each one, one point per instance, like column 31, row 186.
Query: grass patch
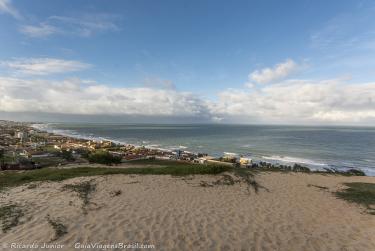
column 83, row 190
column 320, row 187
column 103, row 157
column 59, row 228
column 17, row 178
column 116, row 193
column 32, row 186
column 10, row 216
column 158, row 162
column 132, row 182
column 247, row 176
column 226, row 180
column 205, row 184
column 240, row 175
column 360, row 193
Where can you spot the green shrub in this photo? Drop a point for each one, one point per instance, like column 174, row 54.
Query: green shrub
column 355, row 172
column 361, row 193
column 103, row 157
column 10, row 216
column 11, row 179
column 67, row 155
column 59, row 228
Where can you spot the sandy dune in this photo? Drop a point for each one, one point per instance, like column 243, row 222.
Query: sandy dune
column 179, row 214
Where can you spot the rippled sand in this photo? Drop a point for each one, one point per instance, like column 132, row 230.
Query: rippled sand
column 180, row 214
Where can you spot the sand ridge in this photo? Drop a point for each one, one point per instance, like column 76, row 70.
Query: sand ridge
column 175, row 213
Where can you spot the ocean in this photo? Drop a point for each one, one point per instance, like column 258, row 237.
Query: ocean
column 316, row 147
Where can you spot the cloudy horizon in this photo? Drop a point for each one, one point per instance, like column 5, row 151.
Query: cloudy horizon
column 94, row 66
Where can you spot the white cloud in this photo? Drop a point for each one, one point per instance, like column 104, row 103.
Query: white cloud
column 249, row 85
column 41, row 30
column 43, row 66
column 6, row 7
column 74, row 96
column 292, row 101
column 84, row 26
column 301, row 102
column 279, row 71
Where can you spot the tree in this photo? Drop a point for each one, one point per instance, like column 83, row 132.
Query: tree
column 2, row 153
column 67, row 155
column 103, row 157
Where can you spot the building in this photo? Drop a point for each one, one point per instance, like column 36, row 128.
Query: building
column 244, row 161
column 203, row 159
column 22, row 136
column 229, row 157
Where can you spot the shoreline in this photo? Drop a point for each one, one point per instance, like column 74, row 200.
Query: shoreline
column 274, row 160
column 98, row 139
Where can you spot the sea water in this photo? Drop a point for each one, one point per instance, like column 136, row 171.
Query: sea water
column 315, row 147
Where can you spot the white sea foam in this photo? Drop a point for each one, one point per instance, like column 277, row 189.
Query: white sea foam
column 289, row 159
column 231, row 154
column 71, row 133
column 366, row 164
column 368, row 171
column 41, row 127
column 176, row 147
column 154, row 146
column 247, row 146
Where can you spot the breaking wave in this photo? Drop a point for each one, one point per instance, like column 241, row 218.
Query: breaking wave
column 288, row 159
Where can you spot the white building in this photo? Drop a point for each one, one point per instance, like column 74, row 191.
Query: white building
column 22, row 135
column 245, row 161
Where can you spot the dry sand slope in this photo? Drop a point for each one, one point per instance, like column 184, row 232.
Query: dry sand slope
column 180, row 214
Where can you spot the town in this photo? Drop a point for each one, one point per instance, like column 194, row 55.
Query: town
column 23, row 147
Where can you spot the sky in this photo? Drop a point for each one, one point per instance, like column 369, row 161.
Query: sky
column 309, row 62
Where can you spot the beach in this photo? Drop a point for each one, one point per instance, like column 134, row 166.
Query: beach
column 187, row 125
column 290, row 211
column 316, row 147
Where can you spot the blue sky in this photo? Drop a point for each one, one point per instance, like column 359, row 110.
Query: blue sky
column 212, row 54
